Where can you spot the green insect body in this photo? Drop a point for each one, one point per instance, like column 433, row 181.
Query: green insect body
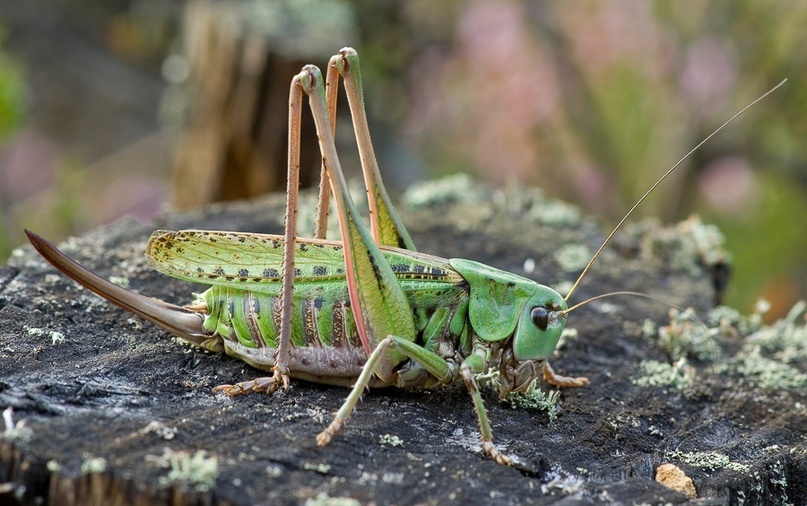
column 367, row 311
column 242, row 309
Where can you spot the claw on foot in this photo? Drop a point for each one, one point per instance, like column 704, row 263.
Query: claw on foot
column 563, row 381
column 324, row 437
column 495, row 454
column 267, row 384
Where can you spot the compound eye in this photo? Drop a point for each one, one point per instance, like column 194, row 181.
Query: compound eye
column 540, row 317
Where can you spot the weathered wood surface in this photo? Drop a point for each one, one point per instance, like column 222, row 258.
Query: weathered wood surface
column 107, row 399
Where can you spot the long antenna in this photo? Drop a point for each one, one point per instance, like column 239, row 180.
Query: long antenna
column 622, row 292
column 661, row 179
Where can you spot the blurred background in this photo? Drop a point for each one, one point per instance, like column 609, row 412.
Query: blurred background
column 125, row 107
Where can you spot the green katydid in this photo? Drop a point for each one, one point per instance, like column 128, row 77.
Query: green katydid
column 367, row 311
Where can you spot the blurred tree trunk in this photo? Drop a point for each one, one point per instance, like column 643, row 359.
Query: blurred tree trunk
column 233, row 142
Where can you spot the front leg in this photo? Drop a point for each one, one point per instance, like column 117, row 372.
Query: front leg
column 475, row 364
column 435, row 365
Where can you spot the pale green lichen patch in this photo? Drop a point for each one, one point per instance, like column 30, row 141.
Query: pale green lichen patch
column 707, row 239
column 738, row 467
column 659, row 374
column 572, row 257
column 15, row 431
column 710, row 461
column 488, row 379
column 160, row 429
column 319, row 468
column 725, row 313
column 535, row 399
column 770, row 357
column 528, row 203
column 555, row 213
column 685, row 336
column 34, row 331
column 531, row 398
column 562, row 287
column 323, row 499
column 454, row 188
column 198, row 470
column 768, row 373
column 389, row 439
column 787, row 338
column 688, row 246
column 92, row 464
column 55, row 336
column 563, row 483
column 120, row 281
column 568, row 333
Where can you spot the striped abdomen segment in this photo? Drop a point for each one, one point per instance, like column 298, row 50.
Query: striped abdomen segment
column 254, row 319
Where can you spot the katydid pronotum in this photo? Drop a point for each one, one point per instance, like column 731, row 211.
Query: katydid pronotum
column 366, row 311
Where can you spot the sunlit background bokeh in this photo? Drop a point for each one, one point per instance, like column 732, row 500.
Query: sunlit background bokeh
column 592, row 101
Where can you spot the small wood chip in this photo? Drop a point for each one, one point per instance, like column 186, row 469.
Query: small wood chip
column 671, row 476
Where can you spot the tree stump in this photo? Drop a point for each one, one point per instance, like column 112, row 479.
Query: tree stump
column 108, row 409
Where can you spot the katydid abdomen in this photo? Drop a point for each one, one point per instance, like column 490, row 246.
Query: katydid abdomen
column 326, row 342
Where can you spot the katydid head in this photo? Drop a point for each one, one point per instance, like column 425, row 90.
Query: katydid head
column 540, row 325
column 503, row 305
column 536, row 335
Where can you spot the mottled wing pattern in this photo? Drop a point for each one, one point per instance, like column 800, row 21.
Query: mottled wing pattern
column 249, row 261
column 240, row 260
